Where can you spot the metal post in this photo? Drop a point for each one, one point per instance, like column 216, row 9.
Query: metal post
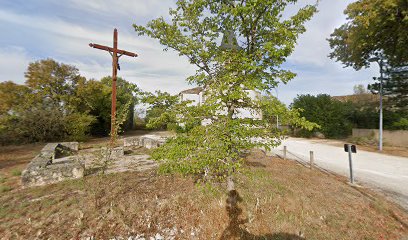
column 350, row 164
column 380, row 142
column 285, row 149
column 311, row 159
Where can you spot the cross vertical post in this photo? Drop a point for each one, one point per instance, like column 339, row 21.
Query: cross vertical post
column 114, row 78
column 115, row 66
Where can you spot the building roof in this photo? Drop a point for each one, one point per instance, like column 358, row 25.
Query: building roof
column 358, row 98
column 196, row 90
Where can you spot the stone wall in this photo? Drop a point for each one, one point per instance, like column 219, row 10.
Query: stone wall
column 54, row 163
column 398, row 138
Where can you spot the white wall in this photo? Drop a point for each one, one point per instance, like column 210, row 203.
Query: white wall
column 241, row 113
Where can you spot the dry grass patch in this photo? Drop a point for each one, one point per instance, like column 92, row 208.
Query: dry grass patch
column 278, row 200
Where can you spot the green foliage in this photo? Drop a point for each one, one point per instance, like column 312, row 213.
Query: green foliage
column 4, row 189
column 78, row 126
column 395, row 87
column 158, row 114
column 366, row 117
column 16, row 172
column 272, row 107
column 332, row 115
column 373, row 26
column 401, row 124
column 57, row 103
column 38, row 123
column 228, row 74
column 12, row 95
column 52, row 82
column 127, row 98
column 94, row 97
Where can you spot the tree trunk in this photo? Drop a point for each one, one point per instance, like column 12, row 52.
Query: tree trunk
column 230, row 183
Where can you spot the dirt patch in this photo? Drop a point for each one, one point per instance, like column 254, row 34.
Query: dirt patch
column 276, row 199
column 13, row 160
column 11, row 156
column 390, row 150
column 395, row 151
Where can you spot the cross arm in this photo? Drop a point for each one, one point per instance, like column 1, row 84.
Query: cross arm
column 109, row 49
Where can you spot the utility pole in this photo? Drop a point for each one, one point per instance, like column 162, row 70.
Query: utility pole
column 380, row 142
column 379, row 59
column 115, row 66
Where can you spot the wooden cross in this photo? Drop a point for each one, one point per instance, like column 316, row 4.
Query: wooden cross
column 115, row 65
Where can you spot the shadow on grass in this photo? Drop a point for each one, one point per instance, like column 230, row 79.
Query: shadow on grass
column 234, row 231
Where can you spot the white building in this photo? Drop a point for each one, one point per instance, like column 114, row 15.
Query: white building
column 197, row 96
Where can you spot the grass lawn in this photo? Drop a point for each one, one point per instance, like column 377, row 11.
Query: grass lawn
column 277, row 200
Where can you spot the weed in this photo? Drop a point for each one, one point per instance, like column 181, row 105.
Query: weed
column 209, row 189
column 16, row 172
column 4, row 189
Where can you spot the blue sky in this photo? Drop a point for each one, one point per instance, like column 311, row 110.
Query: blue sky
column 36, row 29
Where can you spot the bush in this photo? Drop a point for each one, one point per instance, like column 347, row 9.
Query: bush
column 333, row 116
column 78, row 126
column 36, row 124
column 43, row 124
column 402, row 124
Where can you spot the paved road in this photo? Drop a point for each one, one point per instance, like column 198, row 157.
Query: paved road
column 386, row 173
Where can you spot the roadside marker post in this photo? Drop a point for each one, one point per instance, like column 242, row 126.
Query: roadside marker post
column 285, row 149
column 311, row 159
column 350, row 149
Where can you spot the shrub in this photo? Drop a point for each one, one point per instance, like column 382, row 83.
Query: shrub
column 78, row 126
column 402, row 124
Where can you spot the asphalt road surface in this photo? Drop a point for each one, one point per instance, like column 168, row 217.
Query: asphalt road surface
column 386, row 173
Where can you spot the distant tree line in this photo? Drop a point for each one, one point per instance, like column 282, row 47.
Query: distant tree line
column 57, row 103
column 376, row 28
column 337, row 118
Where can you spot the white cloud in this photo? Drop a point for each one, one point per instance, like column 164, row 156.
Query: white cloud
column 69, row 42
column 13, row 64
column 312, row 46
column 154, row 69
column 123, row 7
column 317, row 73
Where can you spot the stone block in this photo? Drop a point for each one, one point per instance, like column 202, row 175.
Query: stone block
column 62, row 169
column 131, row 142
column 147, row 141
column 73, row 146
column 53, row 164
column 114, row 153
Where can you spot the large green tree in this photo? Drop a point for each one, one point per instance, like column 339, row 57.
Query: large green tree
column 53, row 82
column 12, row 96
column 395, row 88
column 159, row 110
column 57, row 103
column 373, row 26
column 333, row 116
column 256, row 40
